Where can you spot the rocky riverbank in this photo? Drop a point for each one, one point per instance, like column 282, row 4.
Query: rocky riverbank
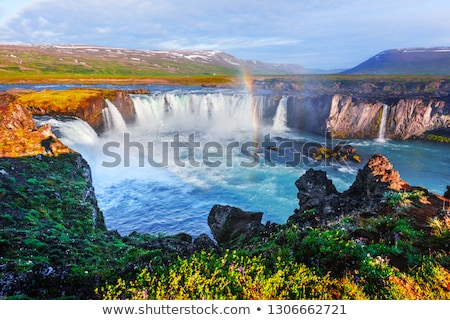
column 54, row 243
column 382, row 238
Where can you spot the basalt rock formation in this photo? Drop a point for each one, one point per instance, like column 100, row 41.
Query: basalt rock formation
column 346, row 116
column 320, row 202
column 342, row 111
column 230, row 223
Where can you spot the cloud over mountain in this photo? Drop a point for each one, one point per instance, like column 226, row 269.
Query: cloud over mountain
column 327, row 34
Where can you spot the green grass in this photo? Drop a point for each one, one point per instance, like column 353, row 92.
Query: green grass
column 403, row 261
column 50, row 66
column 62, row 101
column 46, row 220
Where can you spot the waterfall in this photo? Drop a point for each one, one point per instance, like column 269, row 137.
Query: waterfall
column 106, row 119
column 279, row 121
column 72, row 131
column 382, row 130
column 212, row 112
column 114, row 119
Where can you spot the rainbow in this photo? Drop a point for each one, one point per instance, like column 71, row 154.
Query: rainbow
column 247, row 81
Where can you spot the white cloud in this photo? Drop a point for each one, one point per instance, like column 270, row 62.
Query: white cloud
column 340, row 33
column 102, row 30
column 42, row 22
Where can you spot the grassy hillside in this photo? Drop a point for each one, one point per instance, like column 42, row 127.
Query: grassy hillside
column 90, row 64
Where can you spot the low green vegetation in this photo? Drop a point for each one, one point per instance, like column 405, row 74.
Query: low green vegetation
column 48, row 65
column 62, row 101
column 237, row 276
column 387, row 256
column 48, row 222
column 54, row 244
column 436, row 138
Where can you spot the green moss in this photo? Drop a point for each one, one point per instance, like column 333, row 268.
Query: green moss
column 61, row 101
column 437, row 138
column 45, row 221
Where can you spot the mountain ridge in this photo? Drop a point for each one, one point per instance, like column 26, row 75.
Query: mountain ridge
column 91, row 59
column 433, row 61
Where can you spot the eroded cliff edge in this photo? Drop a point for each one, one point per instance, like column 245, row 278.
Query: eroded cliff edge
column 353, row 109
column 53, row 239
column 413, row 109
column 54, row 243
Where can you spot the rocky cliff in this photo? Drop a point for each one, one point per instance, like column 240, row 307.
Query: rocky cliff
column 86, row 104
column 405, row 118
column 354, row 108
column 320, row 202
column 19, row 136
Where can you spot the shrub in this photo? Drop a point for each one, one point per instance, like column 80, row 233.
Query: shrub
column 232, row 276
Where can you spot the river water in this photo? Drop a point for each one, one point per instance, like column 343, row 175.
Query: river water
column 191, row 148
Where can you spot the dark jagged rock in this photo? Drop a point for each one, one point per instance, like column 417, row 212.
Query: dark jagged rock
column 230, row 223
column 377, row 177
column 203, row 242
column 315, row 190
column 447, row 193
column 180, row 245
column 320, row 202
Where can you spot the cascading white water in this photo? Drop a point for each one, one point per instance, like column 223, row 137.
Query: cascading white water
column 106, row 115
column 382, row 129
column 116, row 120
column 174, row 199
column 71, row 130
column 280, row 119
column 216, row 113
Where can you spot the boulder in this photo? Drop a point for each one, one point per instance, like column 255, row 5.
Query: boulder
column 318, row 198
column 229, row 223
column 314, row 188
column 203, row 242
column 320, row 202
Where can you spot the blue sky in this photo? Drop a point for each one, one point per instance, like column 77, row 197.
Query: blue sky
column 313, row 33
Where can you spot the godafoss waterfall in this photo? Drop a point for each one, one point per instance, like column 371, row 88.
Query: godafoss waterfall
column 188, row 149
column 172, row 188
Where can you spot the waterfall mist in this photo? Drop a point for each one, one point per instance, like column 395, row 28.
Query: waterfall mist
column 138, row 196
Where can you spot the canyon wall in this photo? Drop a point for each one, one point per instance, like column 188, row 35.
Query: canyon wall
column 86, row 104
column 345, row 116
column 351, row 113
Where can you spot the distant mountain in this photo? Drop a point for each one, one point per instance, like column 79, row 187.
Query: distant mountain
column 325, row 71
column 434, row 61
column 85, row 59
column 258, row 67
